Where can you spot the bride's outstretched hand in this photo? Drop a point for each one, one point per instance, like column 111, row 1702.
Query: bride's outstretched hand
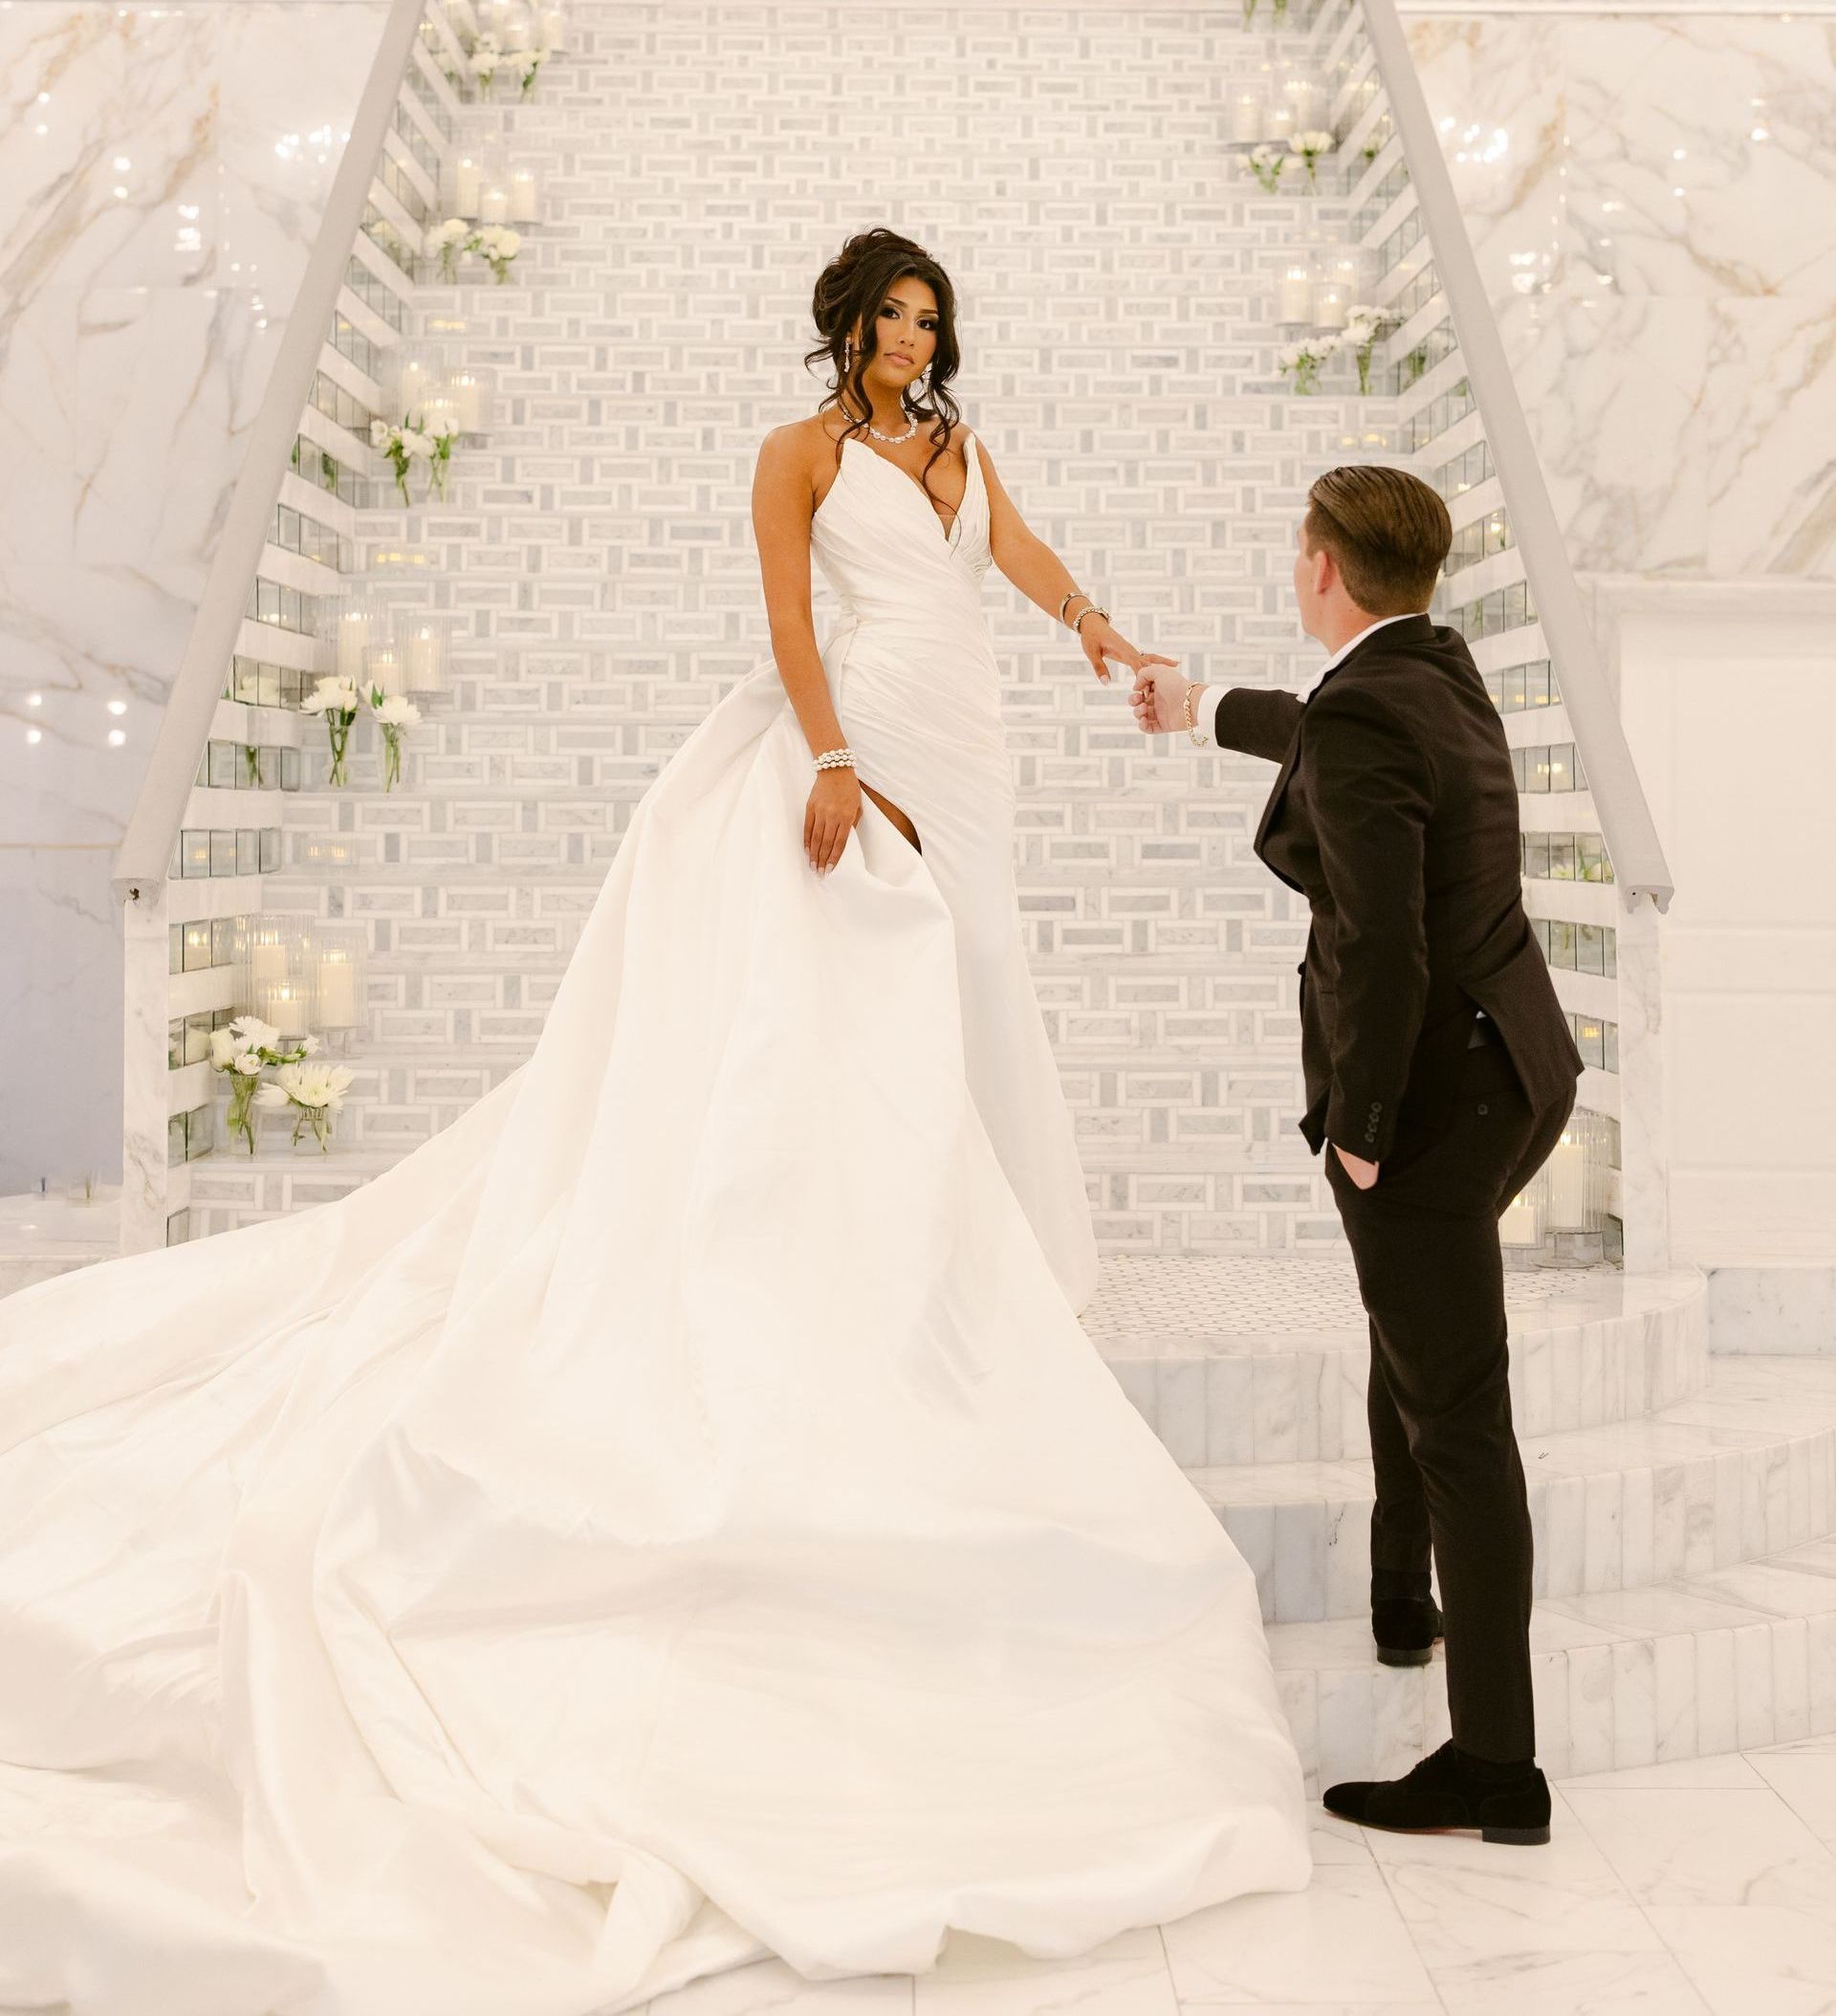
column 1103, row 641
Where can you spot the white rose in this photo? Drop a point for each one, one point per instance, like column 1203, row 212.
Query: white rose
column 223, row 1047
column 249, row 1063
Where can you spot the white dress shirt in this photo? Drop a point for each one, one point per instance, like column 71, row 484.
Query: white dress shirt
column 1206, row 713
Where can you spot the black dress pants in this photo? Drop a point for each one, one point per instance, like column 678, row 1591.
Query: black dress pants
column 1425, row 1242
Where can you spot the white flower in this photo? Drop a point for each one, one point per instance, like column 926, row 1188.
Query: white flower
column 442, row 427
column 222, row 1048
column 398, row 710
column 1265, row 156
column 415, row 442
column 379, row 433
column 249, row 1063
column 525, row 58
column 1291, row 353
column 498, row 241
column 452, row 233
column 1311, row 142
column 331, row 694
column 315, row 1085
column 251, row 1033
column 307, row 1045
column 271, row 1096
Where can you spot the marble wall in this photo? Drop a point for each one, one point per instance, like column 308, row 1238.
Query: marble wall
column 1653, row 199
column 162, row 170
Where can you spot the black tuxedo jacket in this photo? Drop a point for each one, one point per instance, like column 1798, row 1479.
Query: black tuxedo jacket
column 1396, row 814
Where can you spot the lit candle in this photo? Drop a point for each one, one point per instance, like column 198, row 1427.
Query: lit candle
column 1298, row 93
column 1280, row 122
column 353, row 642
column 426, row 669
column 286, row 1009
column 464, row 391
column 337, row 991
column 385, row 669
column 1518, row 1225
column 554, row 29
column 523, row 200
column 1247, row 109
column 465, row 185
column 1567, row 1184
column 493, row 207
column 267, row 962
column 1330, row 305
column 1294, row 299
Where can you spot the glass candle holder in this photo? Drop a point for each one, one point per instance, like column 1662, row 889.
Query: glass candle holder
column 525, row 194
column 382, row 670
column 350, row 629
column 1294, row 292
column 463, row 178
column 421, row 642
column 1249, row 113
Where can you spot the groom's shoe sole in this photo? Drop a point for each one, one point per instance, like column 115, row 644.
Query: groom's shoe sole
column 1505, row 1836
column 1408, row 1656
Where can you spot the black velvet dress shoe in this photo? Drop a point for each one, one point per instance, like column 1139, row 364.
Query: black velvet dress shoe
column 1448, row 1791
column 1404, row 1627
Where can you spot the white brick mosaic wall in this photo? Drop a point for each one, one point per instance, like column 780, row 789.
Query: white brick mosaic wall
column 1116, row 292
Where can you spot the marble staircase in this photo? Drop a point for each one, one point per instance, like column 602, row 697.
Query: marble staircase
column 1684, row 1504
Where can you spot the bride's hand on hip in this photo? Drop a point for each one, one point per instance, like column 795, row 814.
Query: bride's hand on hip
column 1103, row 641
column 831, row 814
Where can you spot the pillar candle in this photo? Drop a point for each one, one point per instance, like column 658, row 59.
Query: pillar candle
column 554, row 29
column 426, row 667
column 523, row 202
column 1294, row 299
column 465, row 185
column 493, row 205
column 1567, row 1184
column 353, row 642
column 385, row 669
column 1518, row 1223
column 1330, row 305
column 465, row 392
column 1247, row 113
column 336, row 992
column 285, row 1008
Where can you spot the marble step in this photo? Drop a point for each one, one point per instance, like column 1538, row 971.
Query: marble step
column 1261, row 1361
column 1743, row 1467
column 1735, row 1658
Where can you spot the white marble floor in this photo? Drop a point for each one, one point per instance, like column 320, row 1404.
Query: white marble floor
column 1705, row 1888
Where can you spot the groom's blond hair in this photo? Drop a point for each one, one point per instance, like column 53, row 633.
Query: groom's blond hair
column 1387, row 531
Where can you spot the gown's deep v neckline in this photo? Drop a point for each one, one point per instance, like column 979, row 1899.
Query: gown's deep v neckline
column 948, row 533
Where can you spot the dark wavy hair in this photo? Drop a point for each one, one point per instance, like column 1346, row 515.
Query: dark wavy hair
column 851, row 287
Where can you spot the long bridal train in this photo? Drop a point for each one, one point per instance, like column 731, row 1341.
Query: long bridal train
column 673, row 1517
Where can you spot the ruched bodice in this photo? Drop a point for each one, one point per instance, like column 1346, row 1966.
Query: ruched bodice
column 885, row 551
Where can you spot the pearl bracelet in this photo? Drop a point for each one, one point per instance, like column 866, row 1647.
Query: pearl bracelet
column 836, row 759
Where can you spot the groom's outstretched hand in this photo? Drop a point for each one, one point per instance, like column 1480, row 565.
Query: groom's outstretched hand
column 1159, row 699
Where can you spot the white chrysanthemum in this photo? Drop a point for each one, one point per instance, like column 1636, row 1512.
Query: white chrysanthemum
column 417, row 444
column 249, row 1032
column 331, row 693
column 315, row 1085
column 442, row 427
column 398, row 710
column 1312, row 141
column 1266, row 156
column 453, row 232
column 379, row 434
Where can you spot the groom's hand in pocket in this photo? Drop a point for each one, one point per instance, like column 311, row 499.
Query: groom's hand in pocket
column 1362, row 1172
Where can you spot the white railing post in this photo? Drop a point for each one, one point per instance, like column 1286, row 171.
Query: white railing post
column 1639, row 867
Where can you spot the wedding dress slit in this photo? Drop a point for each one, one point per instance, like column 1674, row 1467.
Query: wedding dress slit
column 672, row 1517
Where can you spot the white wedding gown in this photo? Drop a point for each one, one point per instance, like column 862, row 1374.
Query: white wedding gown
column 674, row 1516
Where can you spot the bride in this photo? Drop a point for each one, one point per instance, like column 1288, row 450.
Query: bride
column 673, row 1517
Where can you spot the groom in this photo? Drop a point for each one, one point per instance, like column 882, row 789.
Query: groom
column 1439, row 1074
